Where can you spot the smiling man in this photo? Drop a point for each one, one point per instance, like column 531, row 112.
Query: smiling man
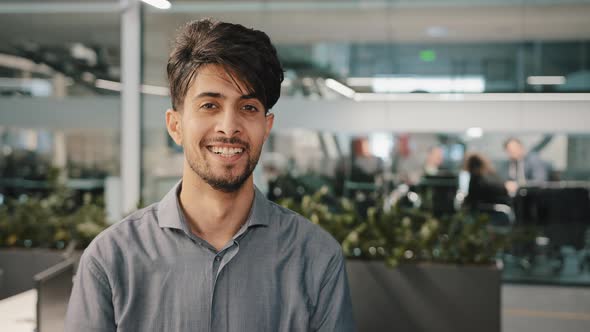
column 214, row 254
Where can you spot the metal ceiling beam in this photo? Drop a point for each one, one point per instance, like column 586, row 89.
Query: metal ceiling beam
column 60, row 7
column 347, row 5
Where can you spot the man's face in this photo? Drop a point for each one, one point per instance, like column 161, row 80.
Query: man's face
column 514, row 150
column 435, row 157
column 221, row 129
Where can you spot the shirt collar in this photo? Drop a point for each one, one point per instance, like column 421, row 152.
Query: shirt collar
column 170, row 214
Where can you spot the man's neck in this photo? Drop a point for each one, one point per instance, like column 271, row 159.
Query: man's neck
column 213, row 215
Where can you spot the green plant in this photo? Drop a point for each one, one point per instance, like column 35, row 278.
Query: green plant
column 337, row 218
column 51, row 221
column 403, row 235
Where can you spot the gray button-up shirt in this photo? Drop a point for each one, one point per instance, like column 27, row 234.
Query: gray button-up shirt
column 149, row 272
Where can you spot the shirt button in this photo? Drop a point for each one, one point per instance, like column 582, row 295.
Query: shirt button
column 217, row 258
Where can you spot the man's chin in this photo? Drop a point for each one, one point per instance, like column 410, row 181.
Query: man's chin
column 226, row 183
column 225, row 186
column 225, row 179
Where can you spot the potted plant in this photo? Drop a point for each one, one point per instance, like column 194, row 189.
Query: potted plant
column 410, row 271
column 35, row 232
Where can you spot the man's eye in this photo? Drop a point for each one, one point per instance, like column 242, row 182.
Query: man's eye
column 209, row 106
column 250, row 108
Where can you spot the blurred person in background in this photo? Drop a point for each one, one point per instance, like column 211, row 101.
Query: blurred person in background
column 485, row 187
column 214, row 254
column 365, row 165
column 434, row 160
column 522, row 167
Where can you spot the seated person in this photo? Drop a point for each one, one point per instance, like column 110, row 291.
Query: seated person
column 485, row 187
column 365, row 166
column 522, row 166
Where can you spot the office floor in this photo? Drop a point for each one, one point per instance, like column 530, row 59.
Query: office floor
column 545, row 308
column 524, row 309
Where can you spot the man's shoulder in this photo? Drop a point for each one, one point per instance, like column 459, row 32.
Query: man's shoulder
column 120, row 235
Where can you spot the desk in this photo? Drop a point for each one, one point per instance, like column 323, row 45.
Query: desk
column 561, row 209
column 17, row 313
column 553, row 203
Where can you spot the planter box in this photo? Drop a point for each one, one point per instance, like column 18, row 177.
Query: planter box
column 54, row 287
column 19, row 266
column 424, row 297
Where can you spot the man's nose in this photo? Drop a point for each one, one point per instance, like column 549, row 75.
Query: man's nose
column 229, row 123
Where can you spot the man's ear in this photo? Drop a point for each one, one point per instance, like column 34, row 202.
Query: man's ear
column 174, row 125
column 270, row 118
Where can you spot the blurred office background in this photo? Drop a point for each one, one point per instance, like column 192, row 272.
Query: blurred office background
column 372, row 88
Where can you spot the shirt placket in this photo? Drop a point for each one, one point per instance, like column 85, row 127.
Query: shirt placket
column 220, row 260
column 215, row 260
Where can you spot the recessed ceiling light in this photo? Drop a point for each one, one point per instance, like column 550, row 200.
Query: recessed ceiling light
column 340, row 88
column 474, row 132
column 160, row 4
column 545, row 80
column 437, row 31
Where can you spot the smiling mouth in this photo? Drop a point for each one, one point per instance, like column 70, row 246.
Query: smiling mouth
column 225, row 151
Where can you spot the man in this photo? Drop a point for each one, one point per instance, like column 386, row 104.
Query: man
column 521, row 166
column 214, row 254
column 434, row 160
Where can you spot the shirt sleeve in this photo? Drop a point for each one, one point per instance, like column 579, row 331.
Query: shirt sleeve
column 90, row 308
column 334, row 307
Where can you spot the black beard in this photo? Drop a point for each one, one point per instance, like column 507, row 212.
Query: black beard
column 226, row 185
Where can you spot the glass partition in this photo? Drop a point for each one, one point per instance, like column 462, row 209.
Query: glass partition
column 476, row 73
column 389, row 47
column 59, row 95
column 383, row 50
column 546, row 222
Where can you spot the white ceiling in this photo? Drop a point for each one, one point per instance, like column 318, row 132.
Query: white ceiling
column 295, row 22
column 307, row 22
column 464, row 23
column 393, row 24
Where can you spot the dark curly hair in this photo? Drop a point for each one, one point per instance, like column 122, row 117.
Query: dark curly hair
column 246, row 54
column 477, row 164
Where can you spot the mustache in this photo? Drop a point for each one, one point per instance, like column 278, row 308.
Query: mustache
column 225, row 140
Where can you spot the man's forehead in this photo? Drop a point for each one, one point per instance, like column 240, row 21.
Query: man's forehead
column 217, row 79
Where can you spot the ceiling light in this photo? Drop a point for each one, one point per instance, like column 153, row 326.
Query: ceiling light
column 160, row 4
column 155, row 90
column 437, row 31
column 107, row 85
column 340, row 88
column 474, row 132
column 429, row 84
column 359, row 81
column 545, row 80
column 144, row 88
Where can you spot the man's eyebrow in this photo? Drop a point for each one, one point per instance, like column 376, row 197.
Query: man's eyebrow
column 249, row 96
column 222, row 96
column 210, row 94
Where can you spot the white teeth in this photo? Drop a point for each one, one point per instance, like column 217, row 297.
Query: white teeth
column 226, row 151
